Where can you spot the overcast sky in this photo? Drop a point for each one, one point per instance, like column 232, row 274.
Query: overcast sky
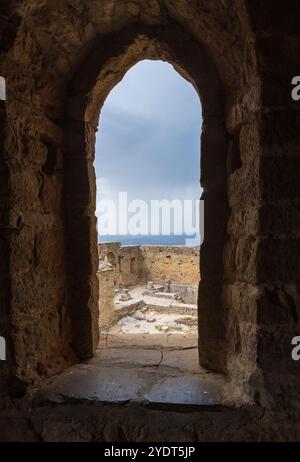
column 148, row 141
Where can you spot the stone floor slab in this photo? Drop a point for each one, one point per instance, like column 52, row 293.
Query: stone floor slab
column 133, row 356
column 105, row 384
column 187, row 390
column 185, row 360
column 138, row 375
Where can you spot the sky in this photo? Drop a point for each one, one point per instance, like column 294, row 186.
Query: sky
column 148, row 139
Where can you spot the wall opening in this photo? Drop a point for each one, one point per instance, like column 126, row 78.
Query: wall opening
column 97, row 75
column 111, row 258
column 147, row 163
column 133, row 265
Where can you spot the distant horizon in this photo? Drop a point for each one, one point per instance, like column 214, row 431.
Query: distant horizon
column 148, row 148
column 181, row 240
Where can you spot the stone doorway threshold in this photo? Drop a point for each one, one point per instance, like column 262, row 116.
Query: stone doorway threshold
column 151, row 370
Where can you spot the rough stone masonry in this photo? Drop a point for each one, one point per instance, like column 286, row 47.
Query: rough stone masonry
column 60, row 59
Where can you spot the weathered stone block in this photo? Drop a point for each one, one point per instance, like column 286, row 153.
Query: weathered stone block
column 278, row 260
column 24, row 188
column 242, row 300
column 281, row 219
column 278, row 307
column 49, row 251
column 22, row 257
column 280, row 178
column 50, row 193
column 34, row 293
column 244, row 221
column 244, row 186
column 240, row 259
column 280, row 133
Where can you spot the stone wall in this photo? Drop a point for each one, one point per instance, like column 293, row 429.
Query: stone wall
column 60, row 60
column 187, row 293
column 107, row 291
column 179, row 264
column 127, row 262
column 139, row 264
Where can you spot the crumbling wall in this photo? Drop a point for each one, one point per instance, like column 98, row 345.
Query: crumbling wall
column 139, row 264
column 187, row 293
column 179, row 264
column 129, row 265
column 107, row 298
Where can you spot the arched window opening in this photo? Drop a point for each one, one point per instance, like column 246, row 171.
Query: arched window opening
column 147, row 159
column 155, row 278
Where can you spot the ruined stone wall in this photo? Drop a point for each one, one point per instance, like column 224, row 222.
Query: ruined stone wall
column 179, row 264
column 131, row 266
column 128, row 263
column 188, row 294
column 107, row 299
column 139, row 264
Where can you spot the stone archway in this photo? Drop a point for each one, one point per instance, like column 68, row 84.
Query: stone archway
column 88, row 89
column 47, row 271
column 48, row 229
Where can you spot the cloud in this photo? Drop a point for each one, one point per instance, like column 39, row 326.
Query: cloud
column 103, row 186
column 148, row 142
